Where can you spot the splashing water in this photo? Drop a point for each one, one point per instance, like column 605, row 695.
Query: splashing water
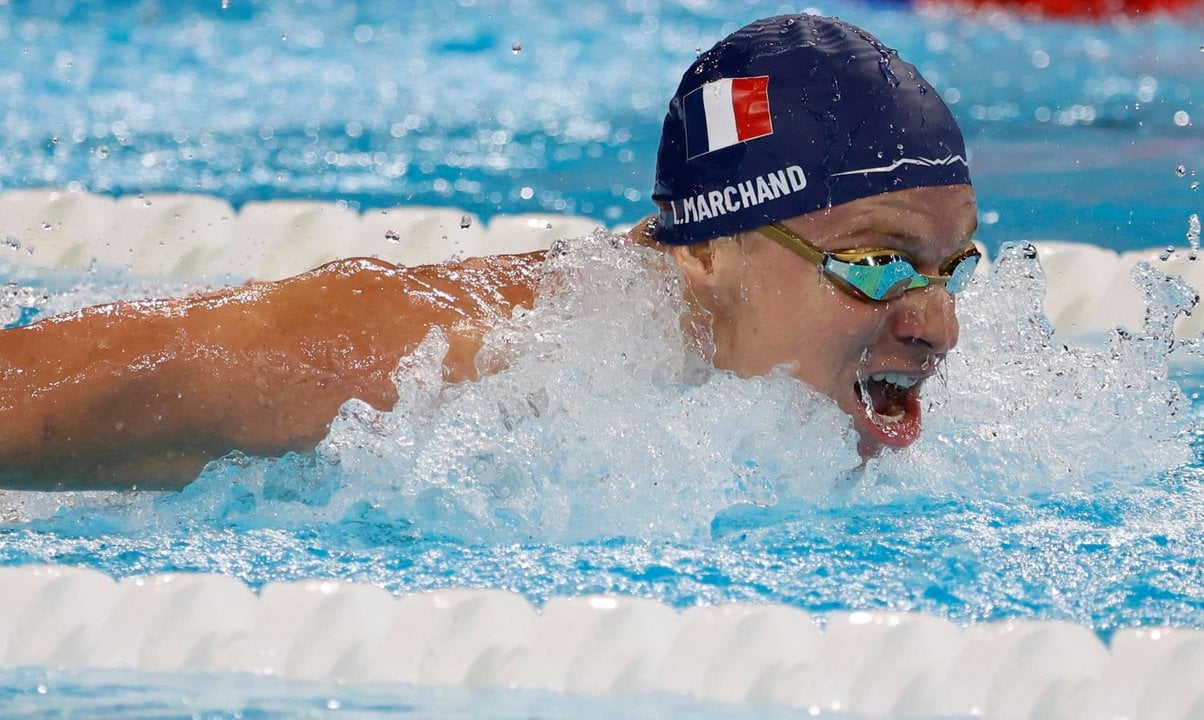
column 600, row 419
column 1193, row 236
column 1026, row 412
column 602, row 453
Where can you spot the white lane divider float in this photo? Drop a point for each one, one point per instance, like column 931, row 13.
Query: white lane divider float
column 870, row 664
column 201, row 238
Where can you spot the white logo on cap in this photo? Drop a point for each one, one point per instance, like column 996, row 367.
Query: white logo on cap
column 923, row 162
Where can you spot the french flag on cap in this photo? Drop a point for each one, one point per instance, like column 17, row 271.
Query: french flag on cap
column 725, row 112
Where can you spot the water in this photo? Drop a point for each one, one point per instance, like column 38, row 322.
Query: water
column 1057, row 478
column 1066, row 123
column 106, row 695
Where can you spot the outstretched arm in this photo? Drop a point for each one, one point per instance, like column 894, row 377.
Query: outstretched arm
column 145, row 393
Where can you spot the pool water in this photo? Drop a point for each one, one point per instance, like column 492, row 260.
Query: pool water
column 1076, row 130
column 1058, row 478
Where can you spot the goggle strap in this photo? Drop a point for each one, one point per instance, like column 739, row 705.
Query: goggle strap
column 792, row 242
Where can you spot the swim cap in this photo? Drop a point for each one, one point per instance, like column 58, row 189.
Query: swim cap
column 792, row 114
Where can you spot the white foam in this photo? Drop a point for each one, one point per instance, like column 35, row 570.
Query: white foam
column 201, row 238
column 865, row 663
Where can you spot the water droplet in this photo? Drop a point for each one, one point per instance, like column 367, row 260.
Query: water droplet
column 225, row 4
column 697, row 50
column 46, row 226
column 392, row 236
column 1195, row 185
column 102, row 151
column 1193, row 235
column 1181, row 171
column 284, row 37
column 465, row 222
column 13, row 242
column 516, row 48
column 54, row 140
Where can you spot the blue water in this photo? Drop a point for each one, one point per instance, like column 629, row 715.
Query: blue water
column 1057, row 479
column 380, row 104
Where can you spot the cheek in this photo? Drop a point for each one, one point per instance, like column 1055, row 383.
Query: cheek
column 806, row 321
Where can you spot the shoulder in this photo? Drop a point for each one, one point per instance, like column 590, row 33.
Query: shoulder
column 482, row 286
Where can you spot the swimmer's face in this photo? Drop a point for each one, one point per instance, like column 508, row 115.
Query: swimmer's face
column 769, row 307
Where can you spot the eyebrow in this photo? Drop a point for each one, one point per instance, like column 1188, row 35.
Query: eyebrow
column 873, row 225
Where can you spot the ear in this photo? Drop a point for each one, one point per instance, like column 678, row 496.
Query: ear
column 697, row 262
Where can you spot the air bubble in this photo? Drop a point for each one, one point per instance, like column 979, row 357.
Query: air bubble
column 465, row 222
column 1181, row 171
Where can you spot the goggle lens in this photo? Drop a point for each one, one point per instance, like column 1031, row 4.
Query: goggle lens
column 877, row 282
column 883, row 277
column 878, row 274
column 962, row 272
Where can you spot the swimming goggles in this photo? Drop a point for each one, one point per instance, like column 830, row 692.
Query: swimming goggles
column 878, row 274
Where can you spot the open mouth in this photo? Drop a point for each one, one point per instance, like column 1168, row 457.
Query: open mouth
column 890, row 402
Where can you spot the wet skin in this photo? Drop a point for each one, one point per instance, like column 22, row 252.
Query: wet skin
column 145, row 393
column 768, row 307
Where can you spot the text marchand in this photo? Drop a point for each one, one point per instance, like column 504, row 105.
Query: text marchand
column 733, row 198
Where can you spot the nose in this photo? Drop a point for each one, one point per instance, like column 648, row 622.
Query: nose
column 925, row 318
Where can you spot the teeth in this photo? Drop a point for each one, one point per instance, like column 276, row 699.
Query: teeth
column 892, row 419
column 899, row 379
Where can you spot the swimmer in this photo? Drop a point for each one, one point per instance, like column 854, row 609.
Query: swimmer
column 812, row 189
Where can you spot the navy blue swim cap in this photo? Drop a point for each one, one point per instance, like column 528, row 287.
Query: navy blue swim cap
column 792, row 114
